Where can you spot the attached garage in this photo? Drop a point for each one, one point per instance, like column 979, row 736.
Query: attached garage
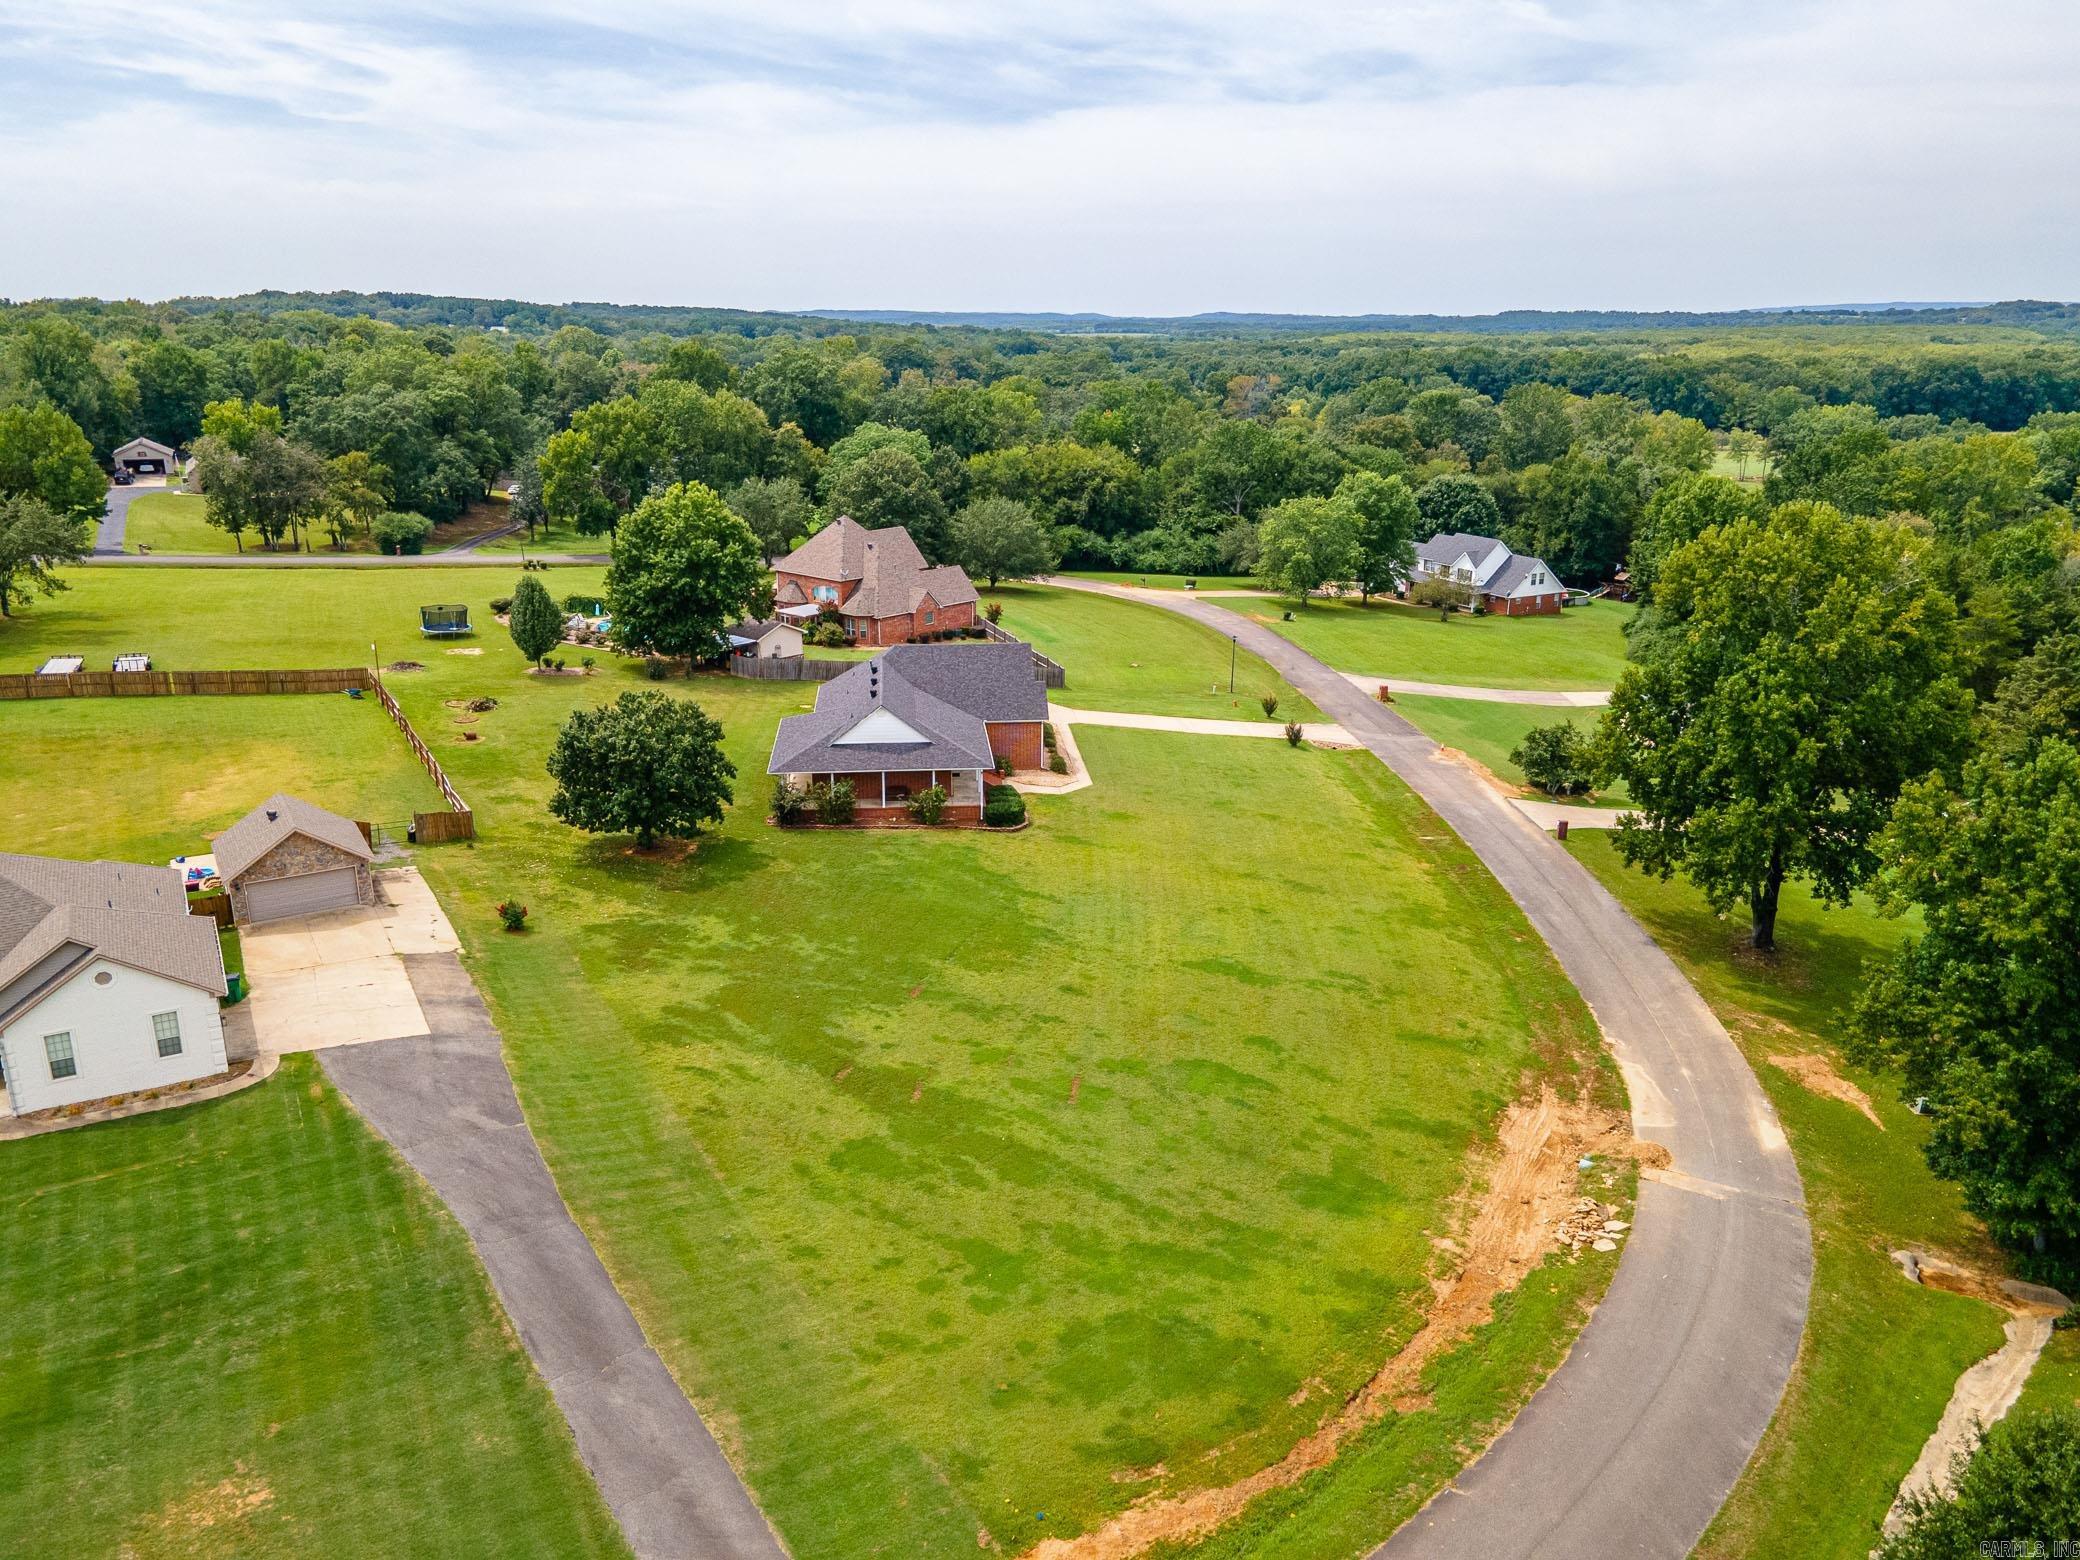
column 308, row 893
column 288, row 857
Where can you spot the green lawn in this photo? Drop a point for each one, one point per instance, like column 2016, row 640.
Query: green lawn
column 1880, row 1356
column 557, row 538
column 1489, row 733
column 244, row 1328
column 154, row 777
column 2055, row 1383
column 1164, row 581
column 1583, row 647
column 943, row 1210
column 172, row 522
column 1121, row 655
column 231, row 618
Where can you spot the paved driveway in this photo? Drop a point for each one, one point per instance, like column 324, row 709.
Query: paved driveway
column 1634, row 1442
column 108, row 536
column 340, row 978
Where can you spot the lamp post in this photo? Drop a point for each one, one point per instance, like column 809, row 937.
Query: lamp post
column 1231, row 663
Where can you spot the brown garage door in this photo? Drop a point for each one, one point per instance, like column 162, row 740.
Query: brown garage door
column 273, row 899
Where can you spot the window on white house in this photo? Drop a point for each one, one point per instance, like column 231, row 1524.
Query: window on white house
column 166, row 1029
column 57, row 1049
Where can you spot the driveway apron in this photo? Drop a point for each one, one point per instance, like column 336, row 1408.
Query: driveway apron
column 446, row 1102
column 1634, row 1443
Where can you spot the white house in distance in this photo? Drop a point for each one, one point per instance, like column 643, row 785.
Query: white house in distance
column 1506, row 582
column 143, row 458
column 107, row 984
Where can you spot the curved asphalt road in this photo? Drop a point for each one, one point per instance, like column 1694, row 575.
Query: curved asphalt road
column 1635, row 1441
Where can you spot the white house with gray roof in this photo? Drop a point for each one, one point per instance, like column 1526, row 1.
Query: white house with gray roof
column 1515, row 584
column 107, row 984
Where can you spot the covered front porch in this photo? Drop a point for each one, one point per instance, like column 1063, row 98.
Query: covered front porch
column 882, row 795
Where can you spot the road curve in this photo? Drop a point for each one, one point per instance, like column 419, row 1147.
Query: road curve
column 1633, row 1444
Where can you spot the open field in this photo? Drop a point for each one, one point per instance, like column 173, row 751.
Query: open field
column 244, row 1328
column 943, row 1210
column 1489, row 733
column 155, row 777
column 1881, row 1356
column 1583, row 647
column 1123, row 656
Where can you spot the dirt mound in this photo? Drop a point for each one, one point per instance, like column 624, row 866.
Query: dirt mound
column 406, row 666
column 1817, row 1074
column 1529, row 1198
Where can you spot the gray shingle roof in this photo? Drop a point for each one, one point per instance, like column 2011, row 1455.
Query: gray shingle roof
column 273, row 821
column 118, row 910
column 893, row 577
column 1446, row 546
column 1515, row 572
column 751, row 630
column 945, row 693
column 993, row 681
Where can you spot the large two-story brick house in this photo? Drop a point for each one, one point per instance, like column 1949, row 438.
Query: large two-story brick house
column 1506, row 582
column 877, row 581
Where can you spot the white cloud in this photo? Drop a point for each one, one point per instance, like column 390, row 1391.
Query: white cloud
column 1152, row 157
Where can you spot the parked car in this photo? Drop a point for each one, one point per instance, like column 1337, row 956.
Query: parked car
column 122, row 479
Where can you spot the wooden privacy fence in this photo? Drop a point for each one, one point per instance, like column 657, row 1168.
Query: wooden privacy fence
column 1048, row 670
column 787, row 668
column 102, row 685
column 458, row 823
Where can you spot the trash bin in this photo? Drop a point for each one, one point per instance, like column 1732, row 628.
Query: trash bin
column 236, row 984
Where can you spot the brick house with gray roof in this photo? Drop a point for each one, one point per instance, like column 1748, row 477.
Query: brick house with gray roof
column 877, row 581
column 915, row 717
column 1510, row 583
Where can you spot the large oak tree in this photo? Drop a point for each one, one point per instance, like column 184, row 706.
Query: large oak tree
column 1796, row 672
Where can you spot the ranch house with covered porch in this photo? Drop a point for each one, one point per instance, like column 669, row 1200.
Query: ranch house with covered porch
column 918, row 716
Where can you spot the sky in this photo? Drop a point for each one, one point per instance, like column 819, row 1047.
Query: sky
column 1124, row 156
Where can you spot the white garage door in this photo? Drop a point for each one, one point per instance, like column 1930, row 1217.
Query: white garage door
column 274, row 898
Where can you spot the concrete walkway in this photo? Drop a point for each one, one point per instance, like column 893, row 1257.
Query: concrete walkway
column 1564, row 699
column 1062, row 714
column 447, row 1104
column 1633, row 1444
column 1549, row 815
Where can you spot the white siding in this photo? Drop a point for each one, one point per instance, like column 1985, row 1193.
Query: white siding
column 112, row 1041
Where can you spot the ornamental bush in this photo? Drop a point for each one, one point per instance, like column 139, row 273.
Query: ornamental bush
column 835, row 802
column 790, row 804
column 1003, row 807
column 929, row 805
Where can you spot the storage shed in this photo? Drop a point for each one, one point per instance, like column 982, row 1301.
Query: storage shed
column 290, row 857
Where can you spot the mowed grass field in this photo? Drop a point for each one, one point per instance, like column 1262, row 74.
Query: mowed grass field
column 244, row 1328
column 1489, row 733
column 1881, row 1356
column 154, row 778
column 1581, row 648
column 955, row 1174
column 171, row 522
column 1123, row 656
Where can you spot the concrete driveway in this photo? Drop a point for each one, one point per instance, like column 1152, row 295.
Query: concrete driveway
column 340, row 978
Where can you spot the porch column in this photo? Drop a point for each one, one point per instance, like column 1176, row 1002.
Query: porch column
column 884, row 788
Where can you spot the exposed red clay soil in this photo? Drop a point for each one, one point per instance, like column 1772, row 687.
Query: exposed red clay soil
column 1451, row 755
column 1817, row 1074
column 1530, row 1190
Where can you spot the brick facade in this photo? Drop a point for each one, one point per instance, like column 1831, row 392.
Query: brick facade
column 1019, row 741
column 293, row 857
column 1526, row 606
column 929, row 617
